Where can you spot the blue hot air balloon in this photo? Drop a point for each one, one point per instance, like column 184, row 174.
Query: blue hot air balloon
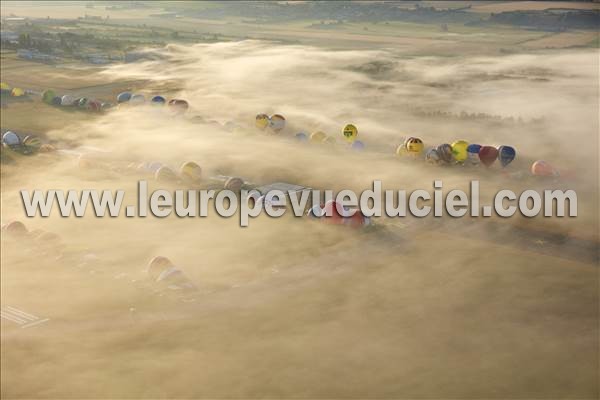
column 473, row 153
column 358, row 145
column 158, row 100
column 123, row 97
column 506, row 154
column 301, row 137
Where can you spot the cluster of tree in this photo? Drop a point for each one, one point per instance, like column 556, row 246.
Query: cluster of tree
column 463, row 115
column 551, row 19
column 25, row 41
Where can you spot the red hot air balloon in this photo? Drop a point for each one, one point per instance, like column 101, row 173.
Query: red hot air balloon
column 487, row 155
column 331, row 215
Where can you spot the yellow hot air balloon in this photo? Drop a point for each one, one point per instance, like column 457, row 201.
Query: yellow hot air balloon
column 459, row 150
column 350, row 133
column 262, row 121
column 191, row 172
column 401, row 150
column 17, row 92
column 4, row 87
column 414, row 146
column 318, row 137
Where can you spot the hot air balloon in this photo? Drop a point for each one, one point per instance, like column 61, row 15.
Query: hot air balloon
column 32, row 143
column 506, row 154
column 459, row 150
column 48, row 96
column 357, row 145
column 445, row 152
column 229, row 126
column 178, row 106
column 432, row 156
column 93, row 105
column 165, row 174
column 123, row 97
column 330, row 140
column 15, row 228
column 301, row 137
column 487, row 155
column 414, row 146
column 350, row 133
column 137, row 99
column 357, row 221
column 191, row 172
column 4, row 88
column 67, row 100
column 315, row 212
column 234, row 184
column 262, row 121
column 154, row 166
column 56, row 101
column 277, row 122
column 158, row 101
column 82, row 102
column 473, row 153
column 317, row 137
column 17, row 92
column 334, row 213
column 542, row 168
column 11, row 139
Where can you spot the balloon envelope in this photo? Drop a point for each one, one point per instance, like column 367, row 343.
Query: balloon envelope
column 432, row 156
column 414, row 146
column 262, row 121
column 330, row 140
column 277, row 122
column 137, row 99
column 17, row 92
column 32, row 142
column 123, row 97
column 165, row 174
column 234, row 184
column 350, row 133
column 179, row 106
column 11, row 139
column 358, row 145
column 473, row 153
column 506, row 154
column 93, row 105
column 315, row 212
column 301, row 137
column 191, row 171
column 445, row 152
column 459, row 150
column 67, row 100
column 48, row 96
column 487, row 155
column 158, row 100
column 542, row 168
column 317, row 137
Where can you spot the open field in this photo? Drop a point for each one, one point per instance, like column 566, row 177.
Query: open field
column 290, row 307
column 501, row 6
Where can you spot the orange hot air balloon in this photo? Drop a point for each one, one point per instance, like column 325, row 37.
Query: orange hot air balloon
column 487, row 155
column 542, row 168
